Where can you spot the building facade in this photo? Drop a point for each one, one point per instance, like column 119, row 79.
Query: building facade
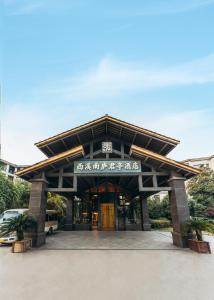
column 107, row 169
column 201, row 162
column 9, row 169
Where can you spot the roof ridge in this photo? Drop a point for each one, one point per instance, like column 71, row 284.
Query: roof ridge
column 109, row 118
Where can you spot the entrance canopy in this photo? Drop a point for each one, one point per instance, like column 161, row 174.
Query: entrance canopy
column 107, row 168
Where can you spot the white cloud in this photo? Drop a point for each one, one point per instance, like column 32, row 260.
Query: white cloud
column 113, row 78
column 195, row 130
column 66, row 103
column 23, row 125
column 163, row 7
column 145, row 8
column 27, row 9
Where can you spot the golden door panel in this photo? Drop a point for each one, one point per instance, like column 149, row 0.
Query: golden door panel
column 107, row 216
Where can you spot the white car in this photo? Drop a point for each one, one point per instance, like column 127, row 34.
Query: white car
column 51, row 222
column 10, row 213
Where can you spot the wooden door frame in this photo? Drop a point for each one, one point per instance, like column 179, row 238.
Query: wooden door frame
column 113, row 207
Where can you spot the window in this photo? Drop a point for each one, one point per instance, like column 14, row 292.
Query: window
column 82, row 211
column 11, row 169
column 133, row 213
column 10, row 214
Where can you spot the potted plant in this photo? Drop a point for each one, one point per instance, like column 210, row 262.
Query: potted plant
column 196, row 226
column 18, row 225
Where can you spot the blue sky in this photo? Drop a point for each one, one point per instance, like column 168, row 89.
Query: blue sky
column 64, row 63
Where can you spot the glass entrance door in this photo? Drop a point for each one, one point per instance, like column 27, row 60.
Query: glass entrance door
column 107, row 216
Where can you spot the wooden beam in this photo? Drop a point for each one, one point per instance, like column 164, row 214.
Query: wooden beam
column 120, row 134
column 60, row 181
column 51, row 151
column 78, row 138
column 122, row 150
column 164, row 147
column 155, row 189
column 154, row 177
column 145, row 160
column 146, row 134
column 140, row 182
column 91, row 155
column 148, row 143
column 58, row 190
column 64, row 143
column 161, row 165
column 131, row 181
column 92, row 132
column 75, row 182
column 155, row 173
column 134, row 138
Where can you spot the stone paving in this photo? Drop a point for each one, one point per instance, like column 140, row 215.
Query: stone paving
column 117, row 240
column 107, row 274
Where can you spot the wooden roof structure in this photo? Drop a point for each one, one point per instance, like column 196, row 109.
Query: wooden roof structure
column 148, row 146
column 161, row 161
column 107, row 126
column 51, row 163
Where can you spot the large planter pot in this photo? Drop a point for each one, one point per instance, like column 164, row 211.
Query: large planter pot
column 21, row 246
column 199, row 246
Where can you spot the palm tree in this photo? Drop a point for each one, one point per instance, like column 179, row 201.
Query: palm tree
column 18, row 224
column 198, row 225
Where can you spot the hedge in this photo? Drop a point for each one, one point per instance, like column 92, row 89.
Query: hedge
column 160, row 223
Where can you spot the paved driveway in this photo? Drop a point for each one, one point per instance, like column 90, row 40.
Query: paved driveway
column 108, row 274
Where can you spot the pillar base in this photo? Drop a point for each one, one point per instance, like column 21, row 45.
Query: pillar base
column 38, row 239
column 68, row 227
column 146, row 227
column 179, row 240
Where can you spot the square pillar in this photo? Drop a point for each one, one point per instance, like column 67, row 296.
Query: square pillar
column 179, row 208
column 146, row 225
column 69, row 215
column 37, row 208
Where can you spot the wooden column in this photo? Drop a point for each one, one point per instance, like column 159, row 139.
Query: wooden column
column 69, row 215
column 146, row 225
column 37, row 208
column 179, row 208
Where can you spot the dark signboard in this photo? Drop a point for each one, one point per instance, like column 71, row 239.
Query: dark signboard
column 107, row 166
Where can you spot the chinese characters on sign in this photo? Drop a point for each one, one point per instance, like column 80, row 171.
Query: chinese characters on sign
column 107, row 166
column 106, row 147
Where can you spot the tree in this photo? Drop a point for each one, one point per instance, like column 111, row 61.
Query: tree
column 198, row 225
column 13, row 195
column 159, row 208
column 8, row 194
column 201, row 190
column 22, row 189
column 196, row 209
column 18, row 224
column 57, row 203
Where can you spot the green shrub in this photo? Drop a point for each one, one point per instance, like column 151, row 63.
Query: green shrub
column 197, row 225
column 160, row 223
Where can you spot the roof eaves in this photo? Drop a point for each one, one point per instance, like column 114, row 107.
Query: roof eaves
column 163, row 159
column 111, row 119
column 53, row 159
